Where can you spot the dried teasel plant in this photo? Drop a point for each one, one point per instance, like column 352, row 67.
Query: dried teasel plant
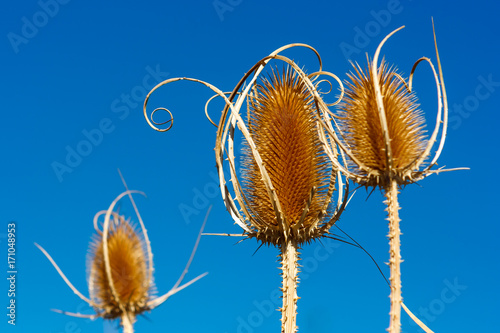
column 384, row 139
column 120, row 269
column 282, row 191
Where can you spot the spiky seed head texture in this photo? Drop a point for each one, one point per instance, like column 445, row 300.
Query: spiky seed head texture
column 127, row 260
column 363, row 130
column 282, row 124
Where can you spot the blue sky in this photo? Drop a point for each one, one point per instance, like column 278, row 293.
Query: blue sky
column 73, row 69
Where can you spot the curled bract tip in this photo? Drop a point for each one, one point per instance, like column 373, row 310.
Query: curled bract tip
column 170, row 121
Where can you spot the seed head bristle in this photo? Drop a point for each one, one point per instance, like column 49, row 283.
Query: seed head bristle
column 363, row 130
column 282, row 124
column 127, row 260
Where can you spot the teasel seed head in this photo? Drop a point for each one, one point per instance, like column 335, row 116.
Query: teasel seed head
column 364, row 134
column 382, row 128
column 282, row 124
column 285, row 182
column 129, row 271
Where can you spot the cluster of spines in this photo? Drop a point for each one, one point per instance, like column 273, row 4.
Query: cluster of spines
column 282, row 124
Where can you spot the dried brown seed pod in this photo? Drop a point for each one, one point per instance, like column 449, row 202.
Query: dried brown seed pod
column 129, row 271
column 363, row 131
column 285, row 188
column 382, row 130
column 282, row 123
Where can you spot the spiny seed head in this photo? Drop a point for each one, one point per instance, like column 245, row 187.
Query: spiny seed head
column 128, row 270
column 283, row 126
column 363, row 131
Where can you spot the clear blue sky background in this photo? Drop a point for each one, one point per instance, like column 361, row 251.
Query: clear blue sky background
column 66, row 76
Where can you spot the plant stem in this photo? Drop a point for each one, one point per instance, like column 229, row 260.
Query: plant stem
column 128, row 326
column 391, row 194
column 289, row 266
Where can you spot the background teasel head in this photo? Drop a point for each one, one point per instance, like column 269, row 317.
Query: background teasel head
column 129, row 288
column 120, row 269
column 383, row 127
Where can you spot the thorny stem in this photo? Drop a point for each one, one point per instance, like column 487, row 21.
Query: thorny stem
column 391, row 194
column 128, row 326
column 289, row 266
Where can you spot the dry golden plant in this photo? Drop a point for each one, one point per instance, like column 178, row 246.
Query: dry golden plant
column 120, row 267
column 383, row 137
column 282, row 191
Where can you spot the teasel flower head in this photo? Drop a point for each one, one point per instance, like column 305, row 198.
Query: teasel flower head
column 120, row 269
column 364, row 133
column 128, row 289
column 285, row 182
column 383, row 129
column 293, row 198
